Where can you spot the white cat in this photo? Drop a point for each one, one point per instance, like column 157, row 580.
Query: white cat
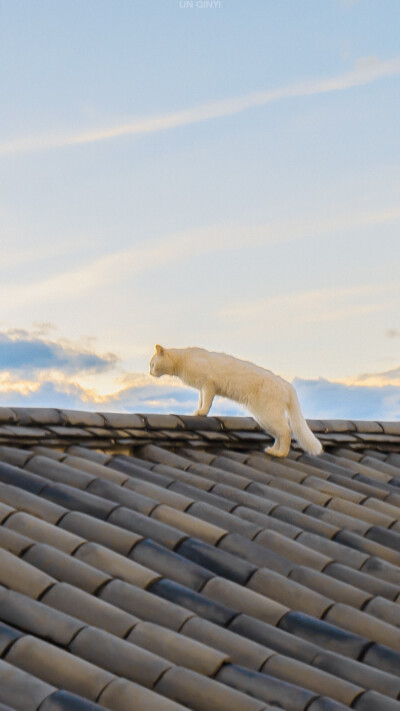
column 271, row 400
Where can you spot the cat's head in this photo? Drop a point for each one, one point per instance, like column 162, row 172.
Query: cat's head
column 160, row 363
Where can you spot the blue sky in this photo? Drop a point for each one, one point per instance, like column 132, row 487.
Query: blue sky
column 225, row 177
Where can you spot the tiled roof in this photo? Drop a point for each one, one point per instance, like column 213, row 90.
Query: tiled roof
column 152, row 562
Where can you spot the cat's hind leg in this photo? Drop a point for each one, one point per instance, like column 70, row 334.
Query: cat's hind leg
column 276, row 423
column 281, row 446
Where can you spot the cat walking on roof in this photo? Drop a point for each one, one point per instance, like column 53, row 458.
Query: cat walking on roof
column 271, row 400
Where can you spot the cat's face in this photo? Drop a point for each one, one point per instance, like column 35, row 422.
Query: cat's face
column 159, row 362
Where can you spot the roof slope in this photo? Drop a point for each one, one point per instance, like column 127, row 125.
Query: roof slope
column 154, row 562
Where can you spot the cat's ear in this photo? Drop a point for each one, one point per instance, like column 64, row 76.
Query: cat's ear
column 159, row 350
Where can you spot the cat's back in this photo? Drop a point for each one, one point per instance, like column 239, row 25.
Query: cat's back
column 232, row 377
column 223, row 364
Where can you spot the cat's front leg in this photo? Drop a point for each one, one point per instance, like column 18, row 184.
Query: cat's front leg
column 207, row 395
column 198, row 411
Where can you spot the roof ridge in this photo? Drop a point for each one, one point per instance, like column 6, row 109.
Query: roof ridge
column 30, row 426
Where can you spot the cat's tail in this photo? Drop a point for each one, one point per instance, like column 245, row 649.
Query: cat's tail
column 300, row 428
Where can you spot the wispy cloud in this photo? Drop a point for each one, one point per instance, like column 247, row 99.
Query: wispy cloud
column 184, row 246
column 125, row 263
column 315, row 305
column 388, row 377
column 365, row 71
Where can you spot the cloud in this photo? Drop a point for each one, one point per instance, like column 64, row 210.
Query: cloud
column 143, row 397
column 125, row 263
column 388, row 377
column 25, row 352
column 39, row 372
column 181, row 246
column 325, row 399
column 319, row 398
column 365, row 71
column 48, row 394
column 314, row 305
column 142, row 393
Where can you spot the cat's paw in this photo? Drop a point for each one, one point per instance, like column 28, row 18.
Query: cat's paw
column 274, row 451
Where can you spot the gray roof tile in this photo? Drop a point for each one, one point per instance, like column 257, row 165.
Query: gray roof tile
column 336, row 589
column 124, row 695
column 196, row 690
column 147, row 527
column 86, row 419
column 170, row 552
column 362, row 623
column 145, row 604
column 43, row 532
column 37, row 619
column 119, row 657
column 289, row 592
column 84, row 527
column 372, row 700
column 57, row 667
column 115, row 565
column 179, row 649
column 8, row 635
column 66, row 568
column 312, row 678
column 8, row 415
column 207, row 532
column 22, row 577
column 37, row 416
column 21, row 690
column 14, row 542
column 240, row 649
column 5, row 511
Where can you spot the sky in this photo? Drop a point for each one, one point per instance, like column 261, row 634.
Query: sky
column 217, row 173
